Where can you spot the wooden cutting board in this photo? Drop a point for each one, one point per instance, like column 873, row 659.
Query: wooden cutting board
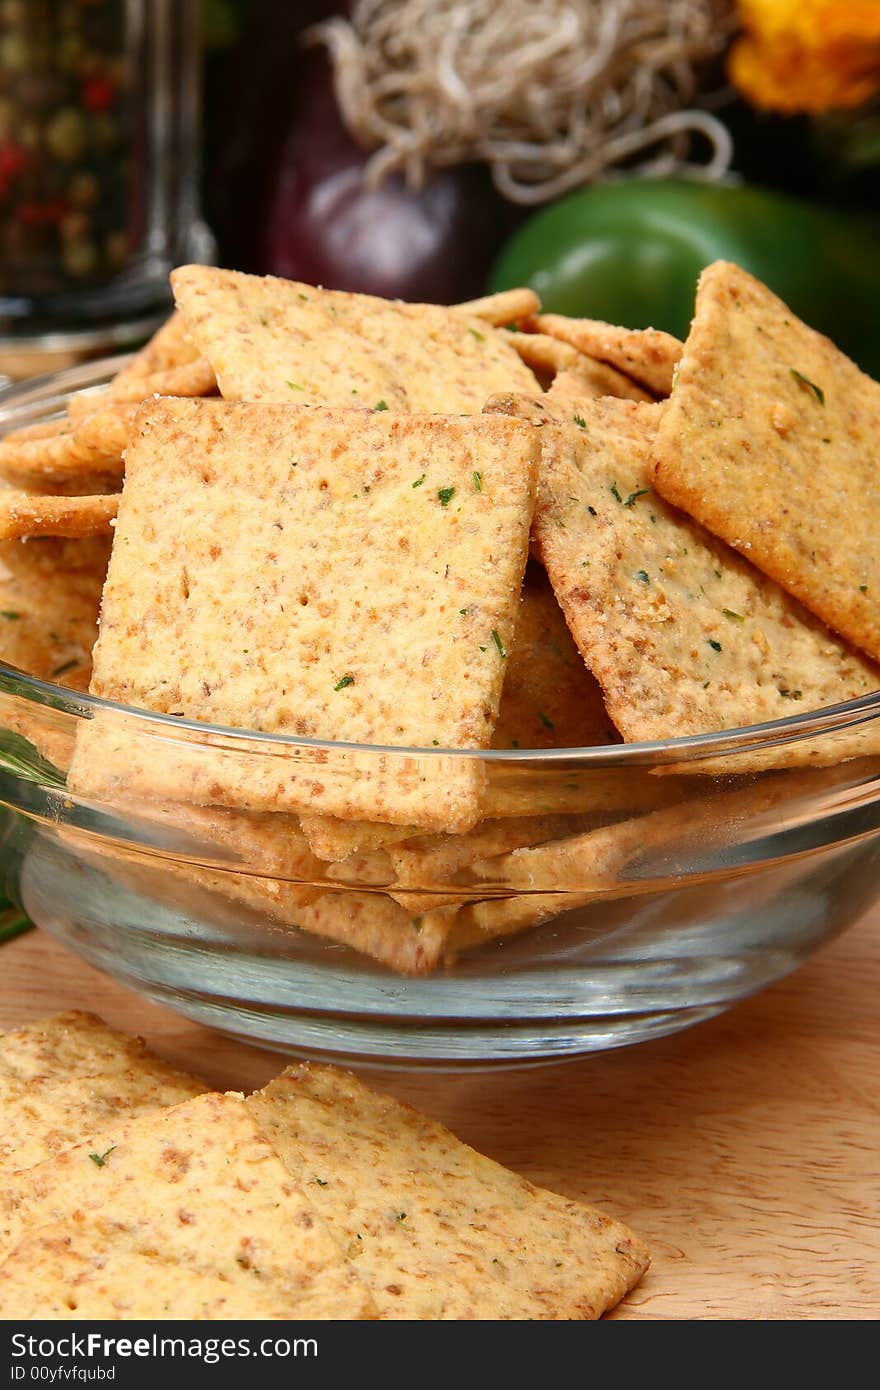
column 746, row 1150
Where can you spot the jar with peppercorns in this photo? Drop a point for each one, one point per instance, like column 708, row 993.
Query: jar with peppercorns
column 99, row 121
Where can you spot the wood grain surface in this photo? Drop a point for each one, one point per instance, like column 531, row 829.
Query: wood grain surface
column 744, row 1150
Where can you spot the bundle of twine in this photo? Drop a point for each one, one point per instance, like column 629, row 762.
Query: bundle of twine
column 551, row 94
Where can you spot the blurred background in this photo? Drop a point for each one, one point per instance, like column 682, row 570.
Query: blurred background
column 602, row 151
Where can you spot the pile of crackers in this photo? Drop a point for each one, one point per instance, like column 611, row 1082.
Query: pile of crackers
column 330, row 503
column 131, row 1191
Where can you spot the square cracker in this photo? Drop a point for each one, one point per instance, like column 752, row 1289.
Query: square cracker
column 278, row 340
column 549, row 700
column 67, row 1045
column 89, row 1269
column 197, row 1188
column 45, row 1117
column 770, row 440
column 344, row 575
column 66, row 1077
column 435, row 1229
column 683, row 635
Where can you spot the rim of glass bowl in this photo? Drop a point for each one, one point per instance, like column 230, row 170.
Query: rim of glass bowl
column 40, row 397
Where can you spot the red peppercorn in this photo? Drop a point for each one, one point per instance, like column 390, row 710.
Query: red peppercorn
column 98, row 94
column 13, row 161
column 44, row 214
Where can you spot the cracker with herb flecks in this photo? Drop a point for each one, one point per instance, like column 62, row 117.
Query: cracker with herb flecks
column 435, row 1229
column 50, row 594
column 46, row 1117
column 86, row 1270
column 278, row 340
column 346, row 576
column 196, row 1187
column 25, row 514
column 647, row 355
column 770, row 440
column 683, row 635
column 549, row 700
column 65, row 1078
column 66, row 1044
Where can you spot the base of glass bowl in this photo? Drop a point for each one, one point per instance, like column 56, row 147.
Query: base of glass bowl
column 618, row 972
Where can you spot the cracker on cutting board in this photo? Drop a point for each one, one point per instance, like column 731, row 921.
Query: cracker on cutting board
column 45, row 1117
column 683, row 635
column 279, row 340
column 88, row 1270
column 69, row 1044
column 770, row 440
column 63, row 1079
column 195, row 1186
column 388, row 625
column 436, row 1230
column 646, row 355
column 50, row 594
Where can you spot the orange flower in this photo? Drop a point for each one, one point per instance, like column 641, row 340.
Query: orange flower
column 807, row 55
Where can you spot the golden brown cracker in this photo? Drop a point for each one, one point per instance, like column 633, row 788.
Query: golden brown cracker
column 770, row 440
column 549, row 358
column 545, row 356
column 47, row 514
column 64, row 1078
column 46, row 1117
column 42, row 429
column 50, row 594
column 683, row 635
column 396, row 615
column 502, row 308
column 195, row 1186
column 647, row 355
column 550, row 699
column 433, row 871
column 39, row 461
column 170, row 347
column 590, row 378
column 106, row 431
column 330, row 839
column 435, row 1229
column 88, row 1269
column 74, row 1043
column 281, row 341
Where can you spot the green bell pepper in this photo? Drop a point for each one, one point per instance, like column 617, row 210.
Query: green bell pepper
column 630, row 253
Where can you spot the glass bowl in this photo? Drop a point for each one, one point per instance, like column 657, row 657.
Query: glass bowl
column 611, row 894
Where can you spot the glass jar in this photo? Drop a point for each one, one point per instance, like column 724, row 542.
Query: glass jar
column 99, row 136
